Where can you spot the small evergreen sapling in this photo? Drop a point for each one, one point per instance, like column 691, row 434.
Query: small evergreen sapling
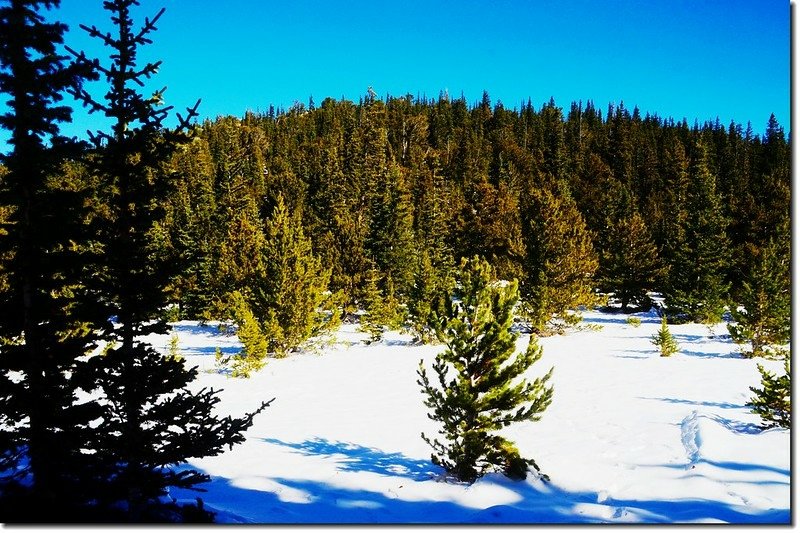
column 382, row 310
column 173, row 349
column 664, row 340
column 773, row 402
column 254, row 342
column 478, row 390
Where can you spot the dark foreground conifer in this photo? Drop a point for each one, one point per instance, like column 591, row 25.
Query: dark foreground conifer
column 151, row 421
column 43, row 329
column 479, row 391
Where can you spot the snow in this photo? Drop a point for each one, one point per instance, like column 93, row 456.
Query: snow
column 630, row 436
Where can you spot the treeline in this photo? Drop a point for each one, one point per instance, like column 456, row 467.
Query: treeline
column 293, row 214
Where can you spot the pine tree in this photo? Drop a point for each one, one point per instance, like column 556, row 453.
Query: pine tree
column 288, row 297
column 478, row 390
column 239, row 261
column 43, row 322
column 145, row 396
column 391, row 239
column 489, row 226
column 664, row 340
column 773, row 402
column 560, row 259
column 629, row 264
column 764, row 318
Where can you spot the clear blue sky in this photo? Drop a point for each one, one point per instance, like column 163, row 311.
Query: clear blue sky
column 696, row 59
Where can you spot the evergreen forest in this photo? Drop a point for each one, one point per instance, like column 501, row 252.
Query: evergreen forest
column 384, row 196
column 289, row 222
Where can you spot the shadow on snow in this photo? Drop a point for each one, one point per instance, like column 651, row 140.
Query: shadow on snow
column 326, row 502
column 357, row 458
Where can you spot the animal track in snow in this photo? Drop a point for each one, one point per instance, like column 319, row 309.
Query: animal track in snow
column 690, row 436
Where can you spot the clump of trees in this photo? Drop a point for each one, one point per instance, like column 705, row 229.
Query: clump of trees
column 478, row 388
column 762, row 319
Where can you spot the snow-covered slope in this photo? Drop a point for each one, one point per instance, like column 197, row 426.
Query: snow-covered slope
column 630, row 436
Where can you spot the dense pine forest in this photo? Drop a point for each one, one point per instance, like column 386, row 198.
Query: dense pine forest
column 385, row 195
column 287, row 223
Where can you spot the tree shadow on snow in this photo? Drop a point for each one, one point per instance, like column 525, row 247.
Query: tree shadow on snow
column 357, row 458
column 653, row 353
column 199, row 330
column 281, row 500
column 621, row 319
column 723, row 405
column 738, row 467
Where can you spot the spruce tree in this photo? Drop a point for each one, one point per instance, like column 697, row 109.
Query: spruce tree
column 477, row 390
column 629, row 264
column 43, row 322
column 696, row 288
column 763, row 316
column 151, row 422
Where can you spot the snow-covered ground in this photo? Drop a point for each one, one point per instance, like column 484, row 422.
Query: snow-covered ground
column 630, row 436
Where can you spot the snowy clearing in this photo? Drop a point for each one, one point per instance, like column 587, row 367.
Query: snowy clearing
column 630, row 436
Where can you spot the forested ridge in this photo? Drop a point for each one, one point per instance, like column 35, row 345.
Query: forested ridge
column 393, row 192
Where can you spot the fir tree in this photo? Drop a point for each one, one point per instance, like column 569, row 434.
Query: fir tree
column 664, row 340
column 629, row 265
column 43, row 322
column 145, row 396
column 764, row 318
column 478, row 390
column 773, row 402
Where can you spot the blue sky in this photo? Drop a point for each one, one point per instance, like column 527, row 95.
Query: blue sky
column 696, row 59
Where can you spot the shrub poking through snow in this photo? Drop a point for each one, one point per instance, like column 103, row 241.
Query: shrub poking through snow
column 773, row 402
column 633, row 321
column 479, row 391
column 664, row 340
